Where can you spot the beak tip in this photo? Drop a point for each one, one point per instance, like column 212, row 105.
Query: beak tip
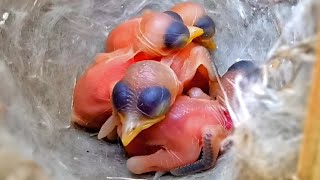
column 124, row 143
column 194, row 32
column 128, row 136
column 126, row 140
column 209, row 44
column 130, row 132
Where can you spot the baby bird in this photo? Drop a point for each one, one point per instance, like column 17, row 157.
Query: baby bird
column 194, row 14
column 141, row 99
column 245, row 69
column 91, row 101
column 162, row 129
column 194, row 68
column 193, row 124
column 154, row 34
column 92, row 92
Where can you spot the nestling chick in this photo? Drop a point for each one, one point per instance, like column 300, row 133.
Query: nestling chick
column 154, row 34
column 141, row 99
column 193, row 123
column 92, row 92
column 194, row 14
column 246, row 69
column 174, row 144
column 194, row 68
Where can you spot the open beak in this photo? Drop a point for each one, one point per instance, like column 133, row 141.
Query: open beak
column 194, row 33
column 132, row 125
column 209, row 44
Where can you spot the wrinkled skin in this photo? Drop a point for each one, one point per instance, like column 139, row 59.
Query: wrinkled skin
column 170, row 134
column 193, row 124
column 157, row 138
column 141, row 99
column 178, row 140
column 92, row 104
column 175, row 143
column 194, row 68
column 191, row 65
column 241, row 69
column 91, row 97
column 154, row 34
column 132, row 41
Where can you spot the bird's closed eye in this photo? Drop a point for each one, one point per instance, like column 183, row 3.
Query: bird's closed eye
column 121, row 96
column 154, row 101
column 174, row 15
column 207, row 24
column 176, row 35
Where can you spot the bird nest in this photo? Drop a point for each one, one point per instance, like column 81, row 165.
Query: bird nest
column 45, row 45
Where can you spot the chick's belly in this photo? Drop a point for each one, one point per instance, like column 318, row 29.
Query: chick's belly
column 182, row 126
column 159, row 136
column 139, row 147
column 168, row 134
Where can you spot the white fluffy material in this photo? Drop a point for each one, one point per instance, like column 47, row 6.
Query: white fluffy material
column 46, row 44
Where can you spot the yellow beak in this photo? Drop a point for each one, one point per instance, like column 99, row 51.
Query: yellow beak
column 194, row 33
column 209, row 44
column 133, row 125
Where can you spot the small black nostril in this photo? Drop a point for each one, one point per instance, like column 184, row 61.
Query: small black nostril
column 174, row 15
column 176, row 35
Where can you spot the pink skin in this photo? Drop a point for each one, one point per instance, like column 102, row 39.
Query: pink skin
column 144, row 35
column 190, row 13
column 92, row 104
column 91, row 97
column 138, row 77
column 191, row 117
column 124, row 36
column 177, row 140
column 193, row 67
column 228, row 82
column 129, row 42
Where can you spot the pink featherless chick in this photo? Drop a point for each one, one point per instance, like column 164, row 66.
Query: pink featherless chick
column 152, row 35
column 162, row 129
column 192, row 125
column 195, row 123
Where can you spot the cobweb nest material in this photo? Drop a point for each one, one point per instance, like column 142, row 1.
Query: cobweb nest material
column 269, row 120
column 45, row 45
column 267, row 138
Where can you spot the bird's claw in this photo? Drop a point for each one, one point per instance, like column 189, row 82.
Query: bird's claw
column 211, row 137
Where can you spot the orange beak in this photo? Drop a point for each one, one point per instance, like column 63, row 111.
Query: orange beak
column 194, row 33
column 209, row 44
column 133, row 124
